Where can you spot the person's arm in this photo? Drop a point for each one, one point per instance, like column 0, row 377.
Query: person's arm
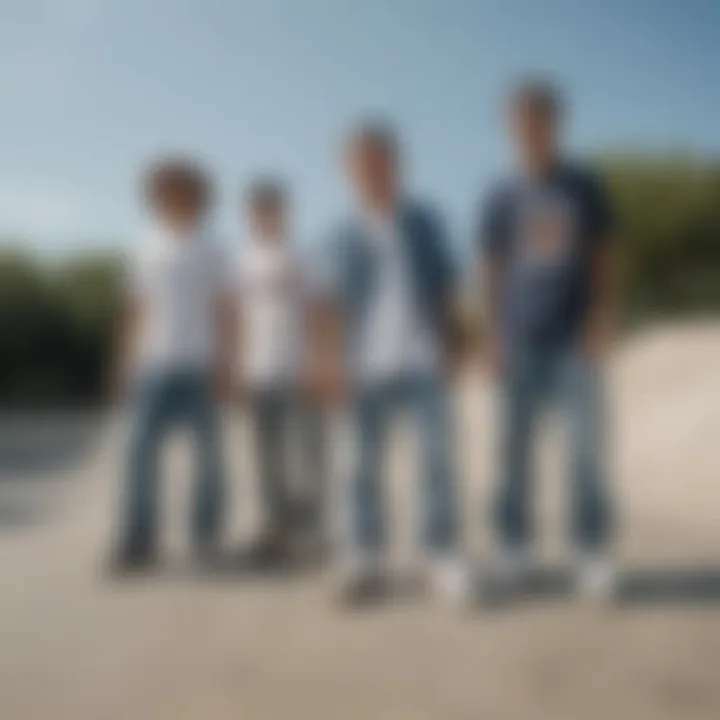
column 492, row 271
column 225, row 318
column 491, row 278
column 226, row 332
column 127, row 328
column 326, row 356
column 603, row 277
column 447, row 274
column 124, row 346
column 327, row 373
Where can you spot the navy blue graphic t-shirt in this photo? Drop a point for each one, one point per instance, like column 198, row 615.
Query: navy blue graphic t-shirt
column 545, row 233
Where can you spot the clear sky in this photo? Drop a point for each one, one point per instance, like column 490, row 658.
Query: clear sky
column 91, row 88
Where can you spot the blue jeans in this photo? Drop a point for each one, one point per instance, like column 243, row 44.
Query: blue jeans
column 426, row 398
column 531, row 379
column 163, row 401
column 276, row 412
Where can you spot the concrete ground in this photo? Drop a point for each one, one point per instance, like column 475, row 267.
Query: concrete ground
column 184, row 645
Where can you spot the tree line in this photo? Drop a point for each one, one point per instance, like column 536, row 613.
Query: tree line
column 57, row 319
column 56, row 329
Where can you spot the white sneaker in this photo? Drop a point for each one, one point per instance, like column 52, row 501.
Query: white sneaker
column 595, row 577
column 450, row 579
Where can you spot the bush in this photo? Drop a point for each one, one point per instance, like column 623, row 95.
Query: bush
column 668, row 212
column 55, row 330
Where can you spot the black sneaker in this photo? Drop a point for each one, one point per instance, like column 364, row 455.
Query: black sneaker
column 272, row 551
column 207, row 553
column 363, row 589
column 131, row 559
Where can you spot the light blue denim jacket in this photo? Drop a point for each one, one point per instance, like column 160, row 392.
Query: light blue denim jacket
column 431, row 269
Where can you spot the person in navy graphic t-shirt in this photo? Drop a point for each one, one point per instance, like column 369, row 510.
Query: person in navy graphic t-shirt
column 545, row 240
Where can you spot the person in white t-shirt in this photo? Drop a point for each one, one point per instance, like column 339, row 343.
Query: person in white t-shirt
column 272, row 301
column 176, row 356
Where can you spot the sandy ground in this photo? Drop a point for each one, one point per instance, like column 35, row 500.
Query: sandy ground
column 181, row 645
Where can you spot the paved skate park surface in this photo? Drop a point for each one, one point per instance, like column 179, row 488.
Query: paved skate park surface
column 186, row 645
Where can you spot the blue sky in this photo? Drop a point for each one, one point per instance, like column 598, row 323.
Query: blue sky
column 91, row 88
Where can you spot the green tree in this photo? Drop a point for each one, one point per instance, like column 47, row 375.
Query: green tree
column 668, row 213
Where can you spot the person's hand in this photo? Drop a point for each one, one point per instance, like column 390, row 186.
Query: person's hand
column 494, row 357
column 329, row 387
column 598, row 342
column 117, row 384
column 336, row 391
column 238, row 391
column 453, row 364
column 222, row 383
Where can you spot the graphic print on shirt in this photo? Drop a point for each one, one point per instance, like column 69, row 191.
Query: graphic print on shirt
column 546, row 229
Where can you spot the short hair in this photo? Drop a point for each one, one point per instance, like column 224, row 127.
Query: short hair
column 376, row 133
column 178, row 174
column 538, row 94
column 264, row 191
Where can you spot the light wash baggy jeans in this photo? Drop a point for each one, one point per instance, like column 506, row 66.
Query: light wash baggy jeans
column 426, row 397
column 531, row 379
column 163, row 401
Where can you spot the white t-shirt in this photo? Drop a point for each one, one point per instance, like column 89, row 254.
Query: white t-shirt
column 395, row 338
column 179, row 282
column 272, row 307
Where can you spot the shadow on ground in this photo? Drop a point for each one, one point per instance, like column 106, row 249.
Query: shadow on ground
column 690, row 584
column 637, row 587
column 45, row 444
